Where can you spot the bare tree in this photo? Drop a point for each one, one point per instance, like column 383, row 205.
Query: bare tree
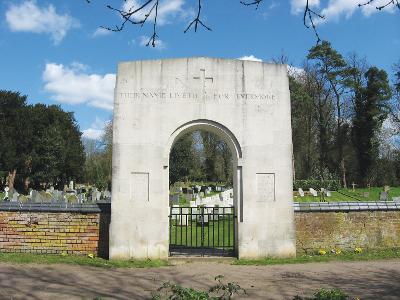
column 148, row 11
column 134, row 16
column 380, row 7
column 395, row 107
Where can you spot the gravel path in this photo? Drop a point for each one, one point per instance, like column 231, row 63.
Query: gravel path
column 366, row 280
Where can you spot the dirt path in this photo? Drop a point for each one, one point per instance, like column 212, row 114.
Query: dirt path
column 366, row 280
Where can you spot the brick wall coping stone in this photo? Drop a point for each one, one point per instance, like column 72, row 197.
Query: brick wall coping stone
column 345, row 206
column 98, row 207
column 105, row 206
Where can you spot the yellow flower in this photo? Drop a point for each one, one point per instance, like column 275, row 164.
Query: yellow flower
column 90, row 255
column 358, row 250
column 321, row 252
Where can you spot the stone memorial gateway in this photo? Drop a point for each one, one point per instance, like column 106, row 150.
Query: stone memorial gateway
column 245, row 103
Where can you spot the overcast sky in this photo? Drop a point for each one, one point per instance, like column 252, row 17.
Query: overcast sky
column 56, row 52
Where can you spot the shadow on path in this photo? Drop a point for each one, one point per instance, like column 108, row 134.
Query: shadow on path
column 366, row 280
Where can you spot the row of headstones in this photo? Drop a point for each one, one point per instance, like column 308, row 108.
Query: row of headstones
column 183, row 215
column 224, row 198
column 52, row 195
column 196, row 189
column 383, row 196
column 315, row 193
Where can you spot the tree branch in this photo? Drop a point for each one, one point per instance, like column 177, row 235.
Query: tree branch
column 390, row 2
column 130, row 16
column 308, row 13
column 253, row 2
column 197, row 20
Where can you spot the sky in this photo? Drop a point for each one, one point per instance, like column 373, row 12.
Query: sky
column 56, row 52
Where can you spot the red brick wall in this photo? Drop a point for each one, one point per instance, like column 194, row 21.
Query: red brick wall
column 347, row 230
column 83, row 233
column 46, row 232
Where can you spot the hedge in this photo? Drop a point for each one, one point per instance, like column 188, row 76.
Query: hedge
column 332, row 185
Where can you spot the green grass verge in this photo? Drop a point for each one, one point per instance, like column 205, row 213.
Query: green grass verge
column 27, row 258
column 344, row 256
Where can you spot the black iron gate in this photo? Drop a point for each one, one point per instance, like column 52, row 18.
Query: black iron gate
column 203, row 231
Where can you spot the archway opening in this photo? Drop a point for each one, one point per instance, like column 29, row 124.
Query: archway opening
column 203, row 193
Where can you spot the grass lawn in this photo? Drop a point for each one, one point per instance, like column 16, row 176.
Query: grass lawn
column 349, row 195
column 216, row 233
column 27, row 258
column 344, row 256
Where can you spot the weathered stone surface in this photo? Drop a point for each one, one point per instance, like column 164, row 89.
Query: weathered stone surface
column 245, row 103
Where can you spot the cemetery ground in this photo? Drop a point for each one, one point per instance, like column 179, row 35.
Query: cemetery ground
column 349, row 195
column 376, row 279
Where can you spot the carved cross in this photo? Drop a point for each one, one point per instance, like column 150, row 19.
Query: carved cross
column 203, row 79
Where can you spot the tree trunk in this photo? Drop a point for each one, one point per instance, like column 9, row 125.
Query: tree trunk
column 11, row 180
column 26, row 184
column 343, row 167
column 294, row 168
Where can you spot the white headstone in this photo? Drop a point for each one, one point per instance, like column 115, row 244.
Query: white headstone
column 15, row 197
column 313, row 192
column 184, row 216
column 6, row 196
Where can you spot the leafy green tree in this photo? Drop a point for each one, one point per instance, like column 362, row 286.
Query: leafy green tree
column 14, row 136
column 38, row 144
column 371, row 108
column 333, row 70
column 182, row 159
column 210, row 144
column 57, row 152
column 226, row 162
column 323, row 116
column 303, row 128
column 200, row 156
column 217, row 163
column 98, row 165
